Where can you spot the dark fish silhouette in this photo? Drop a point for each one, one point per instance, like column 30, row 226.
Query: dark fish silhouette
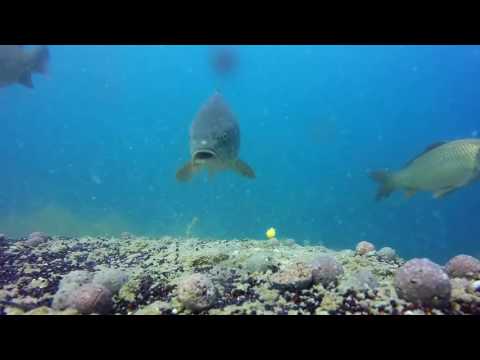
column 224, row 60
column 214, row 142
column 18, row 65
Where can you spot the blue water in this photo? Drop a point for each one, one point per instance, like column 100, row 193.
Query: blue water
column 95, row 146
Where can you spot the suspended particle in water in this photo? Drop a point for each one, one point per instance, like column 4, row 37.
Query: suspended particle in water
column 96, row 179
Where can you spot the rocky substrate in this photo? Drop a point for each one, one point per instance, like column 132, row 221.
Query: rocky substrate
column 177, row 276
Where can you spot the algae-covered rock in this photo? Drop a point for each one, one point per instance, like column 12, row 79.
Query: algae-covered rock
column 12, row 310
column 43, row 310
column 259, row 262
column 209, row 259
column 288, row 242
column 156, row 308
column 68, row 285
column 461, row 291
column 326, row 270
column 330, row 302
column 91, row 298
column 36, row 238
column 129, row 291
column 364, row 247
column 67, row 312
column 39, row 283
column 97, row 255
column 294, row 277
column 386, row 254
column 423, row 282
column 269, row 296
column 196, row 292
column 359, row 281
column 246, row 276
column 112, row 279
column 247, row 308
column 463, row 266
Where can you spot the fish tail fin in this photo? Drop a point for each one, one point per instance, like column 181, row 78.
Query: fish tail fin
column 386, row 181
column 40, row 58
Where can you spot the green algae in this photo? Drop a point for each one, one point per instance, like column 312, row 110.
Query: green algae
column 241, row 269
column 156, row 308
column 130, row 289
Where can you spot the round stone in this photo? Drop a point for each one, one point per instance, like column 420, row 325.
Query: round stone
column 197, row 292
column 423, row 282
column 295, row 277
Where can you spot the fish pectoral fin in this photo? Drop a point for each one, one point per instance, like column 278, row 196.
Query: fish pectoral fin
column 242, row 168
column 26, row 80
column 410, row 192
column 442, row 192
column 186, row 172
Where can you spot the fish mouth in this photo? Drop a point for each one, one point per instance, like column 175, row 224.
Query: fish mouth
column 203, row 155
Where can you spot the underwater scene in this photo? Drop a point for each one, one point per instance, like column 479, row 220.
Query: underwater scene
column 239, row 180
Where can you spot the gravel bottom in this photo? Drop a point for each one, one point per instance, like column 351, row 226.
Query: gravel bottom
column 244, row 273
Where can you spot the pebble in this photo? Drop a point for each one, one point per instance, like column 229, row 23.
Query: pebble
column 295, row 277
column 196, row 292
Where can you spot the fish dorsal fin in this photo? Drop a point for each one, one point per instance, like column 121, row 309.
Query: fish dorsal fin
column 429, row 148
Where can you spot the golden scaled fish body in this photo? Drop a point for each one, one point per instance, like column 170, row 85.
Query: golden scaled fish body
column 441, row 169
